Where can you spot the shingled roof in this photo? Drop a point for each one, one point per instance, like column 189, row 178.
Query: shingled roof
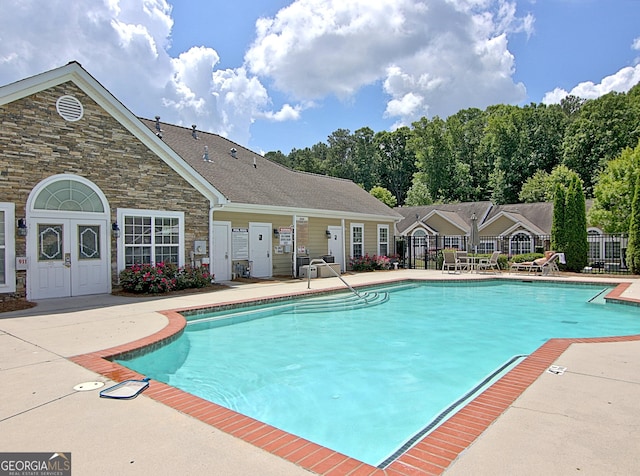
column 245, row 177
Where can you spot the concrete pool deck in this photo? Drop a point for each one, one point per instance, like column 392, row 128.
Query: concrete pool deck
column 584, row 420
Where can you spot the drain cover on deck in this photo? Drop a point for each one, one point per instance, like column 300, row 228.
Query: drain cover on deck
column 86, row 386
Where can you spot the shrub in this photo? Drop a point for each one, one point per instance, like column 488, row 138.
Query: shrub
column 526, row 257
column 162, row 278
column 370, row 263
column 190, row 277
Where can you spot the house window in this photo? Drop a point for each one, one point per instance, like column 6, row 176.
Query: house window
column 520, row 243
column 7, row 248
column 357, row 240
column 594, row 238
column 486, row 247
column 612, row 250
column 153, row 237
column 383, row 240
column 452, row 242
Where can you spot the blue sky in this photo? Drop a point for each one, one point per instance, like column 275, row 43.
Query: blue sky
column 282, row 74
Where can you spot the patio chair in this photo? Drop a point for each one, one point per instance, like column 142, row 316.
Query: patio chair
column 463, row 260
column 490, row 264
column 450, row 261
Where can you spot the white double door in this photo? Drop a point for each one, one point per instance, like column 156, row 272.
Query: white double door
column 68, row 257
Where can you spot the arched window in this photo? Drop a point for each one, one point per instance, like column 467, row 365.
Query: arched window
column 68, row 195
column 520, row 243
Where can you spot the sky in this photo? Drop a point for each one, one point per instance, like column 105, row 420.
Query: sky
column 279, row 74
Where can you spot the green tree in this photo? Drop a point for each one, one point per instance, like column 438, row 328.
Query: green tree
column 434, row 159
column 365, row 158
column 604, row 128
column 418, row 194
column 396, row 161
column 633, row 247
column 541, row 186
column 384, row 195
column 575, row 230
column 521, row 141
column 339, row 161
column 613, row 192
column 558, row 239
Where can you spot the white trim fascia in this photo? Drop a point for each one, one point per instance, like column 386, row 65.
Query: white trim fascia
column 309, row 212
column 89, row 85
column 416, row 225
column 499, row 215
column 519, row 226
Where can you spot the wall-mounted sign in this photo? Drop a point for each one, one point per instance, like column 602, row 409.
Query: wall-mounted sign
column 240, row 243
column 21, row 263
column 286, row 235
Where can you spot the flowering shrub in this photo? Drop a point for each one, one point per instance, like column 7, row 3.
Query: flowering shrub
column 370, row 263
column 162, row 278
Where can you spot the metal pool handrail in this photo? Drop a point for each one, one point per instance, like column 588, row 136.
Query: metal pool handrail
column 321, row 261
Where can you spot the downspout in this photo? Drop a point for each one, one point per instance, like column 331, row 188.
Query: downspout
column 344, row 251
column 212, row 209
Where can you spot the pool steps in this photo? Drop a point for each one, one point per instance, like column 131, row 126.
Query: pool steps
column 342, row 302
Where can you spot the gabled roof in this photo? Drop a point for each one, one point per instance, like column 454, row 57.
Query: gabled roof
column 75, row 73
column 535, row 216
column 252, row 182
column 463, row 212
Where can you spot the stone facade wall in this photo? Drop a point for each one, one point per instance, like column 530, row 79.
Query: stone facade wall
column 36, row 143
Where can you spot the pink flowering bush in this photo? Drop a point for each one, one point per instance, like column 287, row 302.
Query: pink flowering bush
column 370, row 263
column 162, row 278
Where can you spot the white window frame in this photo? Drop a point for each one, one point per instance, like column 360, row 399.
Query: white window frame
column 9, row 247
column 512, row 241
column 381, row 242
column 153, row 214
column 452, row 241
column 353, row 227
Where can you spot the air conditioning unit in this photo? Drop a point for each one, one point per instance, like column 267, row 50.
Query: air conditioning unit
column 307, row 271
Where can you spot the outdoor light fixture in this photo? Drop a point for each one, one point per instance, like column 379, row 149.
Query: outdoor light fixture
column 276, row 232
column 22, row 227
column 328, row 234
column 115, row 229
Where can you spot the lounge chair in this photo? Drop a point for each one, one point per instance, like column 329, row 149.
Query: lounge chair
column 450, row 261
column 490, row 264
column 547, row 265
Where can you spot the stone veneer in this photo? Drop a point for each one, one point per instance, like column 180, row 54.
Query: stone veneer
column 36, row 142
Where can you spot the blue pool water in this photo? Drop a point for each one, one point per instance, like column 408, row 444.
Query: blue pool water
column 365, row 381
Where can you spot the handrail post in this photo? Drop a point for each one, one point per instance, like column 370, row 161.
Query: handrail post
column 321, row 261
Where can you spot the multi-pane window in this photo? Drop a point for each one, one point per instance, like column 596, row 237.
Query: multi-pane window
column 486, row 247
column 520, row 243
column 383, row 240
column 452, row 242
column 151, row 239
column 357, row 240
column 612, row 250
column 7, row 248
column 3, row 249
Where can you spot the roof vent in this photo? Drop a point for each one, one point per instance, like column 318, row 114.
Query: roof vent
column 158, row 124
column 69, row 108
column 233, row 152
column 205, row 157
column 194, row 133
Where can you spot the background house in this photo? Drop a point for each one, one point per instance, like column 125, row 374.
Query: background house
column 87, row 189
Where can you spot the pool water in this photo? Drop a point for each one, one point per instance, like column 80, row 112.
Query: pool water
column 365, row 381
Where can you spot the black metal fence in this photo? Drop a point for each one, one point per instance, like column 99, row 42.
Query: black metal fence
column 607, row 252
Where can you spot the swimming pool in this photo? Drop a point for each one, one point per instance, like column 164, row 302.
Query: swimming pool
column 364, row 381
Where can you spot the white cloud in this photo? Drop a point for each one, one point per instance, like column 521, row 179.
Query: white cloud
column 636, row 44
column 437, row 56
column 620, row 82
column 124, row 45
column 286, row 113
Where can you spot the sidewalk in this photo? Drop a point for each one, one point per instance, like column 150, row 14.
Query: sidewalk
column 583, row 421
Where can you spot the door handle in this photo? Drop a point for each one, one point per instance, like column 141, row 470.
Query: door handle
column 67, row 260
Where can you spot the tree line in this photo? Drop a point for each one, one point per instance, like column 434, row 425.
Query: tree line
column 506, row 154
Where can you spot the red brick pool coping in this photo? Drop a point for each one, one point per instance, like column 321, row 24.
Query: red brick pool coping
column 430, row 456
